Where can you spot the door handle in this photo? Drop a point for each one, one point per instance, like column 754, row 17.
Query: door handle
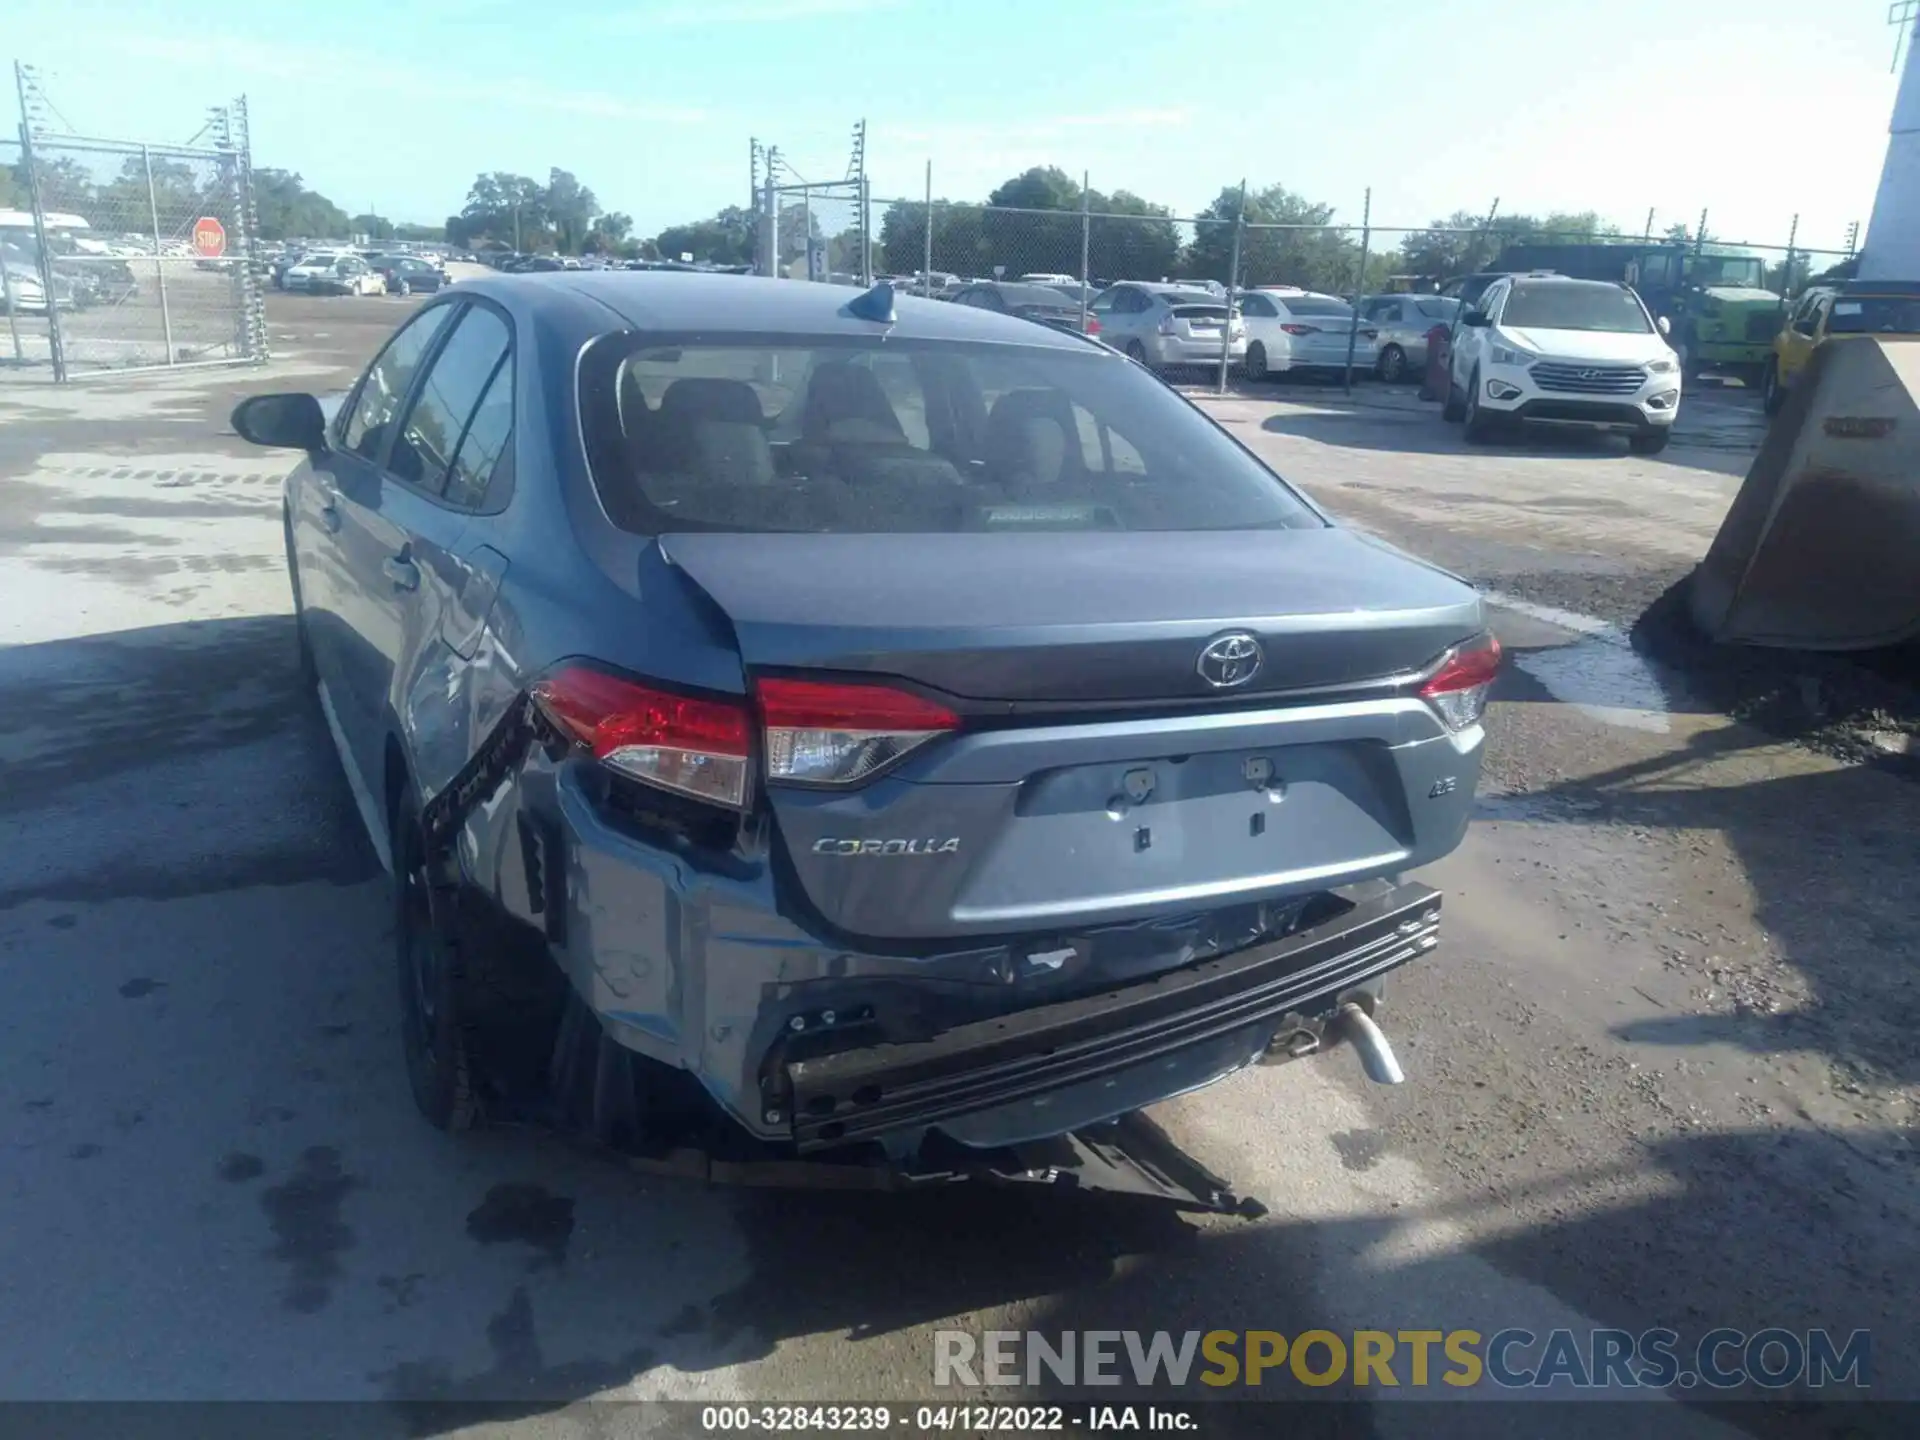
column 404, row 574
column 330, row 513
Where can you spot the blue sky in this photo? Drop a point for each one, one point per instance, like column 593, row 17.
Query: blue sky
column 1754, row 110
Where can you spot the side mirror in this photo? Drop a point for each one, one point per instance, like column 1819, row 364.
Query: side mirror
column 284, row 422
column 1475, row 320
column 1666, row 326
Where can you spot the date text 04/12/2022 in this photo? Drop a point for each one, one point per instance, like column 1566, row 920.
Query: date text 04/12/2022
column 943, row 1419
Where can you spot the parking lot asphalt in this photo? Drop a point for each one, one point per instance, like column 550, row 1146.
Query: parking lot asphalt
column 1661, row 1070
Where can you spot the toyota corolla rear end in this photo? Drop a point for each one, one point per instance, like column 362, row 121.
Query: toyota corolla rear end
column 1029, row 754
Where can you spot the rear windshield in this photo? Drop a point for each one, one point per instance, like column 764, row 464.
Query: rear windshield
column 906, row 437
column 1042, row 295
column 1309, row 305
column 1561, row 305
column 1875, row 315
column 1439, row 309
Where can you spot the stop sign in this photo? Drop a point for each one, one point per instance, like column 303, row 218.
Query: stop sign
column 209, row 236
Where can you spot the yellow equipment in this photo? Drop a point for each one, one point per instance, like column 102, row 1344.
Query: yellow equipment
column 1821, row 548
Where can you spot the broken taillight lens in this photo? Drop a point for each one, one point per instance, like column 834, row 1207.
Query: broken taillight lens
column 697, row 747
column 827, row 733
column 1458, row 689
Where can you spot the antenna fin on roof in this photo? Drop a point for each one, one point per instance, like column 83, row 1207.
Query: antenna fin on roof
column 875, row 304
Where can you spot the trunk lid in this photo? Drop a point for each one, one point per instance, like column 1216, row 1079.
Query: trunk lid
column 1098, row 779
column 1199, row 322
column 1086, row 618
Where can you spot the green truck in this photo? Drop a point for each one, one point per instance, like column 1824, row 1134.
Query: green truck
column 1723, row 317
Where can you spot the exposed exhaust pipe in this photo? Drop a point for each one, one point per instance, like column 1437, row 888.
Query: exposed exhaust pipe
column 1356, row 1027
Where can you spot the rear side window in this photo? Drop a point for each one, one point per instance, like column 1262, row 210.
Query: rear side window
column 1875, row 315
column 387, row 381
column 461, row 372
column 483, row 464
column 908, row 437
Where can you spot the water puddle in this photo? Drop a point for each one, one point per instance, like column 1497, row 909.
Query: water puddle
column 1599, row 674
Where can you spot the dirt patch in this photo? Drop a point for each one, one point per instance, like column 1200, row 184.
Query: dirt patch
column 1862, row 707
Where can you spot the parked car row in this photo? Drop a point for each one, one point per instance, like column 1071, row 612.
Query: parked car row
column 343, row 271
column 1168, row 324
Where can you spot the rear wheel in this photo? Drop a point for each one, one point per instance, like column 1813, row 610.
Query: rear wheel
column 1772, row 393
column 1392, row 364
column 1255, row 363
column 406, row 287
column 432, row 1028
column 1136, row 351
column 1649, row 442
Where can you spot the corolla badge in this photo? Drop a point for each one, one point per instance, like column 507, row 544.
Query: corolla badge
column 949, row 846
column 1229, row 660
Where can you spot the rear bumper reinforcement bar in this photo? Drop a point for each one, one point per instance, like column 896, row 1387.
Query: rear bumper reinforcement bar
column 885, row 1089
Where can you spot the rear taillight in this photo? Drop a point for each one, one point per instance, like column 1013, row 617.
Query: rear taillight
column 697, row 747
column 1458, row 690
column 1093, row 326
column 824, row 733
column 1301, row 329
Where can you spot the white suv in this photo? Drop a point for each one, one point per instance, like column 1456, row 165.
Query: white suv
column 1545, row 349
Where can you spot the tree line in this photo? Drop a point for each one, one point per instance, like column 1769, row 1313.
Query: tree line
column 1029, row 223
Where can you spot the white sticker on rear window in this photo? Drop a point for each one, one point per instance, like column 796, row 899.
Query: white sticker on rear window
column 1847, row 307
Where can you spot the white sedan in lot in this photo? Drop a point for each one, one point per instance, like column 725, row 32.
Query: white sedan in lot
column 313, row 267
column 1295, row 331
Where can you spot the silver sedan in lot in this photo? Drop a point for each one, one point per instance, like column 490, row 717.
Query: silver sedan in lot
column 1168, row 325
column 1403, row 322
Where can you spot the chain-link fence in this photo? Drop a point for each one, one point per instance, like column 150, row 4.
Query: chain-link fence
column 1726, row 298
column 125, row 256
column 988, row 242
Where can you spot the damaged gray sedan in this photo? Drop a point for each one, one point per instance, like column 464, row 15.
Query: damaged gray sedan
column 858, row 732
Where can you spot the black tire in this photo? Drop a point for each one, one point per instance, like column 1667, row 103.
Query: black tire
column 1254, row 362
column 1772, row 393
column 1136, row 351
column 427, row 964
column 1392, row 365
column 406, row 287
column 1479, row 425
column 1649, row 442
column 1455, row 409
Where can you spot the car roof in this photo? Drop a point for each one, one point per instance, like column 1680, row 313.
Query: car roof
column 1561, row 281
column 1877, row 289
column 755, row 305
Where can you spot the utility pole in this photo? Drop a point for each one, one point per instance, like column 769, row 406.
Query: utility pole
column 1359, row 285
column 1233, row 288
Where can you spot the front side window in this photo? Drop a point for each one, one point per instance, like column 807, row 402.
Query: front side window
column 1559, row 305
column 461, row 372
column 908, row 437
column 377, row 405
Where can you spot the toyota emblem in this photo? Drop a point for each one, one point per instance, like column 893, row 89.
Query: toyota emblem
column 1229, row 660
